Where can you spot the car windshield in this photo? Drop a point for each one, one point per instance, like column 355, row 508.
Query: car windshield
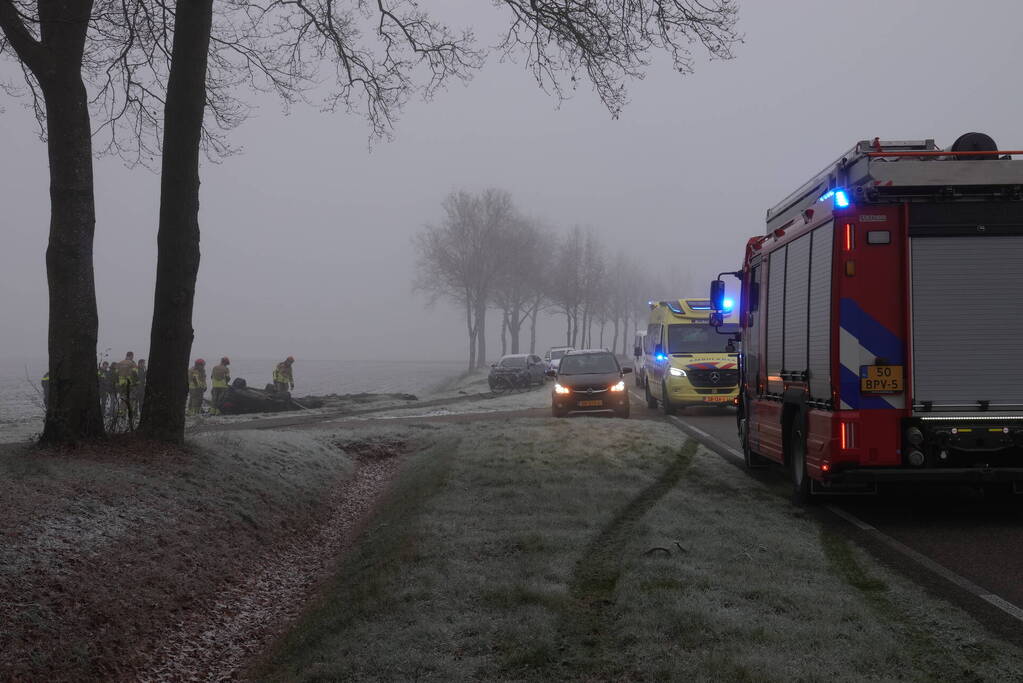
column 695, row 339
column 513, row 362
column 555, row 355
column 588, row 364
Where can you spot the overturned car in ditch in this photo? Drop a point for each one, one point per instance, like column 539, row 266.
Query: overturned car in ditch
column 241, row 399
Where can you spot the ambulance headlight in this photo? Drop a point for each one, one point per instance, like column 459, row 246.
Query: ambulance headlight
column 677, row 372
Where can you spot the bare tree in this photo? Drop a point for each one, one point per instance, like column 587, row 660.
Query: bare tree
column 49, row 41
column 593, row 285
column 566, row 286
column 546, row 250
column 518, row 283
column 461, row 258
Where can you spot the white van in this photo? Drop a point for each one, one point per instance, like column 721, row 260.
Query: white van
column 553, row 356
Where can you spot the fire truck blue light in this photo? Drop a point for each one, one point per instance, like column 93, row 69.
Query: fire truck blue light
column 841, row 199
column 727, row 304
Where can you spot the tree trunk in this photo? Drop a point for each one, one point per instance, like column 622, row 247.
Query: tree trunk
column 504, row 333
column 582, row 339
column 74, row 412
column 177, row 265
column 472, row 334
column 614, row 344
column 481, row 336
column 515, row 321
column 532, row 331
column 514, row 326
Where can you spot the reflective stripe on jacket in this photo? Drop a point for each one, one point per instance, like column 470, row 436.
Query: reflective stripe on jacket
column 126, row 372
column 282, row 374
column 197, row 378
column 221, row 376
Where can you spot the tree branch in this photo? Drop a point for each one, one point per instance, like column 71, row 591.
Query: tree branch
column 29, row 50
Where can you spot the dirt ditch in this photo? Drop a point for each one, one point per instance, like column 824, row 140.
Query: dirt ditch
column 129, row 562
column 215, row 642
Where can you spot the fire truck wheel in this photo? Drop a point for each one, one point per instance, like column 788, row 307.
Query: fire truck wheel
column 666, row 406
column 651, row 402
column 801, row 492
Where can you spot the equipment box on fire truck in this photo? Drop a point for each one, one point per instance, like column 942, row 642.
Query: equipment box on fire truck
column 686, row 361
column 877, row 346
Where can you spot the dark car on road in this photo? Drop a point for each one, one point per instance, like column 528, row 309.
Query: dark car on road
column 589, row 381
column 516, row 371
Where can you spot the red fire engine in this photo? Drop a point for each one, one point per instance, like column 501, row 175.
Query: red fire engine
column 878, row 319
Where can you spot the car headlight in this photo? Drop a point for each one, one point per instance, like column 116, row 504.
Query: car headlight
column 618, row 387
column 558, row 389
column 677, row 372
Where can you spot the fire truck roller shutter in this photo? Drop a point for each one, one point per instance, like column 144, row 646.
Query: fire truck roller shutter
column 967, row 333
column 775, row 313
column 819, row 337
column 797, row 299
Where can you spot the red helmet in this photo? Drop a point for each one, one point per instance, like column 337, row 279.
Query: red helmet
column 200, row 361
column 225, row 360
column 291, row 359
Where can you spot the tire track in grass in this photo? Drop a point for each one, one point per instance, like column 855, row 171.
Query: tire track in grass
column 585, row 631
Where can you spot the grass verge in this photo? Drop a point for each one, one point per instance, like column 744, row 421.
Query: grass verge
column 103, row 548
column 609, row 550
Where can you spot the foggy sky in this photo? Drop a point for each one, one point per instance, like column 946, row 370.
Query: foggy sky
column 306, row 234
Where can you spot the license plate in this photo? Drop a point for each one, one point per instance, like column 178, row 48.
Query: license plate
column 881, row 379
column 718, row 399
column 590, row 404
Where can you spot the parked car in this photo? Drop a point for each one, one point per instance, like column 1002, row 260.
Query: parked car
column 516, row 371
column 553, row 356
column 589, row 381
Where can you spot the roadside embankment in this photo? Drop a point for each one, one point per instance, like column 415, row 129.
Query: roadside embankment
column 105, row 548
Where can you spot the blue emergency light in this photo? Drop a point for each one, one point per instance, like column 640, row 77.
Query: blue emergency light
column 840, row 196
column 727, row 304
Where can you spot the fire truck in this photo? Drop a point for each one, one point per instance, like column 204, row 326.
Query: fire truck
column 877, row 317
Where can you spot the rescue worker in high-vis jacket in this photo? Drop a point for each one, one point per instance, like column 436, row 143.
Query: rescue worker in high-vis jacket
column 221, row 379
column 196, row 386
column 284, row 380
column 126, row 374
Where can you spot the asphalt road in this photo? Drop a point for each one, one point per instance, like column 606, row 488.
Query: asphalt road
column 975, row 537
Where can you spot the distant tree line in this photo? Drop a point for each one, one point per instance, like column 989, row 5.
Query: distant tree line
column 485, row 255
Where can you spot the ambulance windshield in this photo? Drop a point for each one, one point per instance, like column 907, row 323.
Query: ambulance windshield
column 695, row 339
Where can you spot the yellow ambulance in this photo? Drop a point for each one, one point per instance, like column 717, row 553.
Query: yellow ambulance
column 686, row 361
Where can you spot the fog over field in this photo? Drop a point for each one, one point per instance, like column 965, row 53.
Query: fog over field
column 306, row 233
